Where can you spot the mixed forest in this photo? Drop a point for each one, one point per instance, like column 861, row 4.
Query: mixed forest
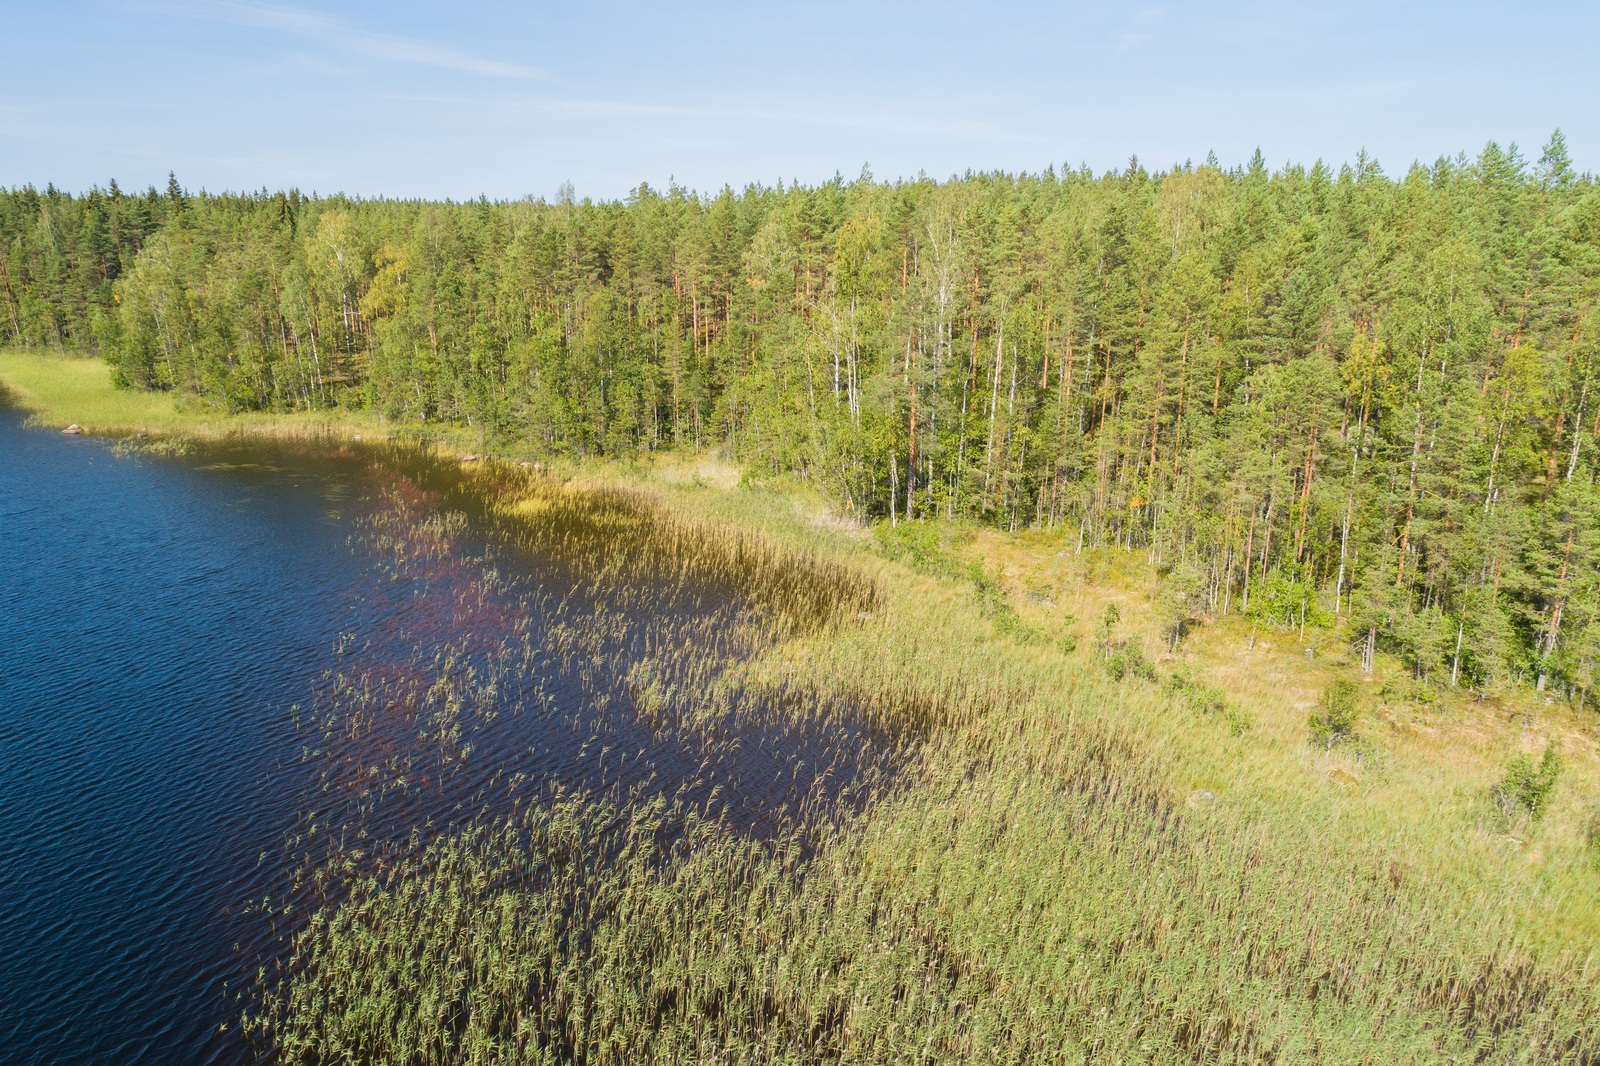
column 1309, row 394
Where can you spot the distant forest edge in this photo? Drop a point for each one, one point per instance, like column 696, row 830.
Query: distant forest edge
column 1306, row 393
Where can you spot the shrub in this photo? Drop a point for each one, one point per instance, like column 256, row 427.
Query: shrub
column 1123, row 660
column 996, row 607
column 1526, row 787
column 1334, row 719
column 1178, row 603
column 1209, row 700
column 922, row 546
column 1183, row 685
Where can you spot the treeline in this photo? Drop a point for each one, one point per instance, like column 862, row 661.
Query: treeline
column 1307, row 392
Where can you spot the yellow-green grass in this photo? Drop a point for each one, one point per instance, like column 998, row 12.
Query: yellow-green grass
column 1438, row 750
column 1415, row 786
column 61, row 390
column 65, row 389
column 1417, row 783
column 1042, row 883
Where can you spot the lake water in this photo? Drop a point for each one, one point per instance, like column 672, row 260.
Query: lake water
column 162, row 618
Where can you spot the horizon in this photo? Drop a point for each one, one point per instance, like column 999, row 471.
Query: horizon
column 404, row 101
column 1527, row 164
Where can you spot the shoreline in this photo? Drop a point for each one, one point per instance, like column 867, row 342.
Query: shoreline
column 1431, row 754
column 58, row 390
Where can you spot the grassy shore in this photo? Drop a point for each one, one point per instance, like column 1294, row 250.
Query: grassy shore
column 1158, row 867
column 1413, row 781
column 61, row 390
column 1067, row 866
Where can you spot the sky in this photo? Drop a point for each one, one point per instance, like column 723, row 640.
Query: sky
column 508, row 100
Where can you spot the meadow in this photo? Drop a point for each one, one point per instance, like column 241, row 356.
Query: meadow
column 1090, row 844
column 64, row 389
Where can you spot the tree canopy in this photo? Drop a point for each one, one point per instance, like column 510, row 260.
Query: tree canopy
column 1320, row 391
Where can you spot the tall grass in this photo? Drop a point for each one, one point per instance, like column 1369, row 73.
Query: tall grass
column 1024, row 879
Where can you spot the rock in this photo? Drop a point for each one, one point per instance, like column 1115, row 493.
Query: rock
column 1342, row 776
column 1201, row 797
column 73, row 430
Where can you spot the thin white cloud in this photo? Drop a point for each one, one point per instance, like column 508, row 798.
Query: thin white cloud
column 1141, row 31
column 339, row 34
column 502, row 107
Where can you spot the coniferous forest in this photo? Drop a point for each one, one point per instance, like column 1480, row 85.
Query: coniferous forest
column 1307, row 393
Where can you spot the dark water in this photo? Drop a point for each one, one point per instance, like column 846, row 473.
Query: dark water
column 160, row 619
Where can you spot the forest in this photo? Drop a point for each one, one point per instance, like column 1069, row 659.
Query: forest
column 1311, row 395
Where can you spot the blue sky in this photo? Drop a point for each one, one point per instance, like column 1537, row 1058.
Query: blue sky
column 503, row 99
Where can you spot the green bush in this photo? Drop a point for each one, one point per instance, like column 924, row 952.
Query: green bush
column 994, row 605
column 1334, row 720
column 1179, row 603
column 1526, row 787
column 1123, row 660
column 923, row 546
column 1209, row 700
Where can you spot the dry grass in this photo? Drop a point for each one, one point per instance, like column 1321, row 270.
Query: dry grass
column 1430, row 754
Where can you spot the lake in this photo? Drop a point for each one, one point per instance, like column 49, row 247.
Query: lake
column 206, row 651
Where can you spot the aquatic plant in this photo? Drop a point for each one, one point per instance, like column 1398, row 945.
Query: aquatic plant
column 1017, row 878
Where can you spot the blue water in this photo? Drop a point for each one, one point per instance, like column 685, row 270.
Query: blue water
column 157, row 621
column 162, row 619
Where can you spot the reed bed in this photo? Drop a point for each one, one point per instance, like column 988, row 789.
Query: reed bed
column 990, row 852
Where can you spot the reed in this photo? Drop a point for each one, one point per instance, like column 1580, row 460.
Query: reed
column 995, row 850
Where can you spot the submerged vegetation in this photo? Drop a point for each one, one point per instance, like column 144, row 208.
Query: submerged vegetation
column 684, row 772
